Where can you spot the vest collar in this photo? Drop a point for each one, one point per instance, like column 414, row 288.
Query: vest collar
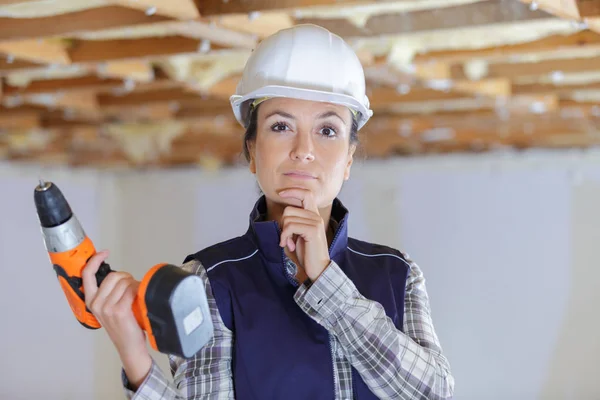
column 266, row 234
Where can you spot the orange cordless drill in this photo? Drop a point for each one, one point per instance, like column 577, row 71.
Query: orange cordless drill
column 170, row 306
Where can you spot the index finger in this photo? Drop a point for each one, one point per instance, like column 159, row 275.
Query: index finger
column 304, row 195
column 88, row 275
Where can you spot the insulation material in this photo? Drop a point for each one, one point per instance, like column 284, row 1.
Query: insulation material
column 360, row 14
column 202, row 74
column 48, row 8
column 476, row 69
column 140, row 71
column 210, row 162
column 143, row 142
column 23, row 141
column 25, row 77
column 219, row 70
column 402, row 48
column 81, row 101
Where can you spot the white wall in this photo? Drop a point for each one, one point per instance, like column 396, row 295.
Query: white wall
column 507, row 244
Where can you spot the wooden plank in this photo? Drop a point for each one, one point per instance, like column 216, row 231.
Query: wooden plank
column 524, row 69
column 7, row 2
column 85, row 83
column 87, row 51
column 487, row 87
column 220, row 7
column 383, row 96
column 9, row 64
column 19, row 119
column 154, row 96
column 147, row 112
column 546, row 88
column 38, row 51
column 588, row 8
column 262, row 25
column 82, row 21
column 454, row 17
column 218, row 34
column 180, row 9
column 585, row 39
column 562, row 8
column 133, row 69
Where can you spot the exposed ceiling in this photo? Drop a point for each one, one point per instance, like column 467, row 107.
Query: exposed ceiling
column 137, row 83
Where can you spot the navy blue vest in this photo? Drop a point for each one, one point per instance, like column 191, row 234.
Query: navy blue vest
column 279, row 351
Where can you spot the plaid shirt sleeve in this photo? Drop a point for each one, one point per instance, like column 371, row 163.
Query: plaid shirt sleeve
column 205, row 376
column 393, row 364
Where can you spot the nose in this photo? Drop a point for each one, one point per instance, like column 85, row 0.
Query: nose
column 303, row 149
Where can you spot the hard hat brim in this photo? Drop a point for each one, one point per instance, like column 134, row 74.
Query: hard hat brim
column 241, row 104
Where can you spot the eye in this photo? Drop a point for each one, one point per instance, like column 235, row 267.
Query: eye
column 280, row 127
column 328, row 131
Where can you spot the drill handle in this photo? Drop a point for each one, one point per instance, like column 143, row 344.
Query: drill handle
column 103, row 272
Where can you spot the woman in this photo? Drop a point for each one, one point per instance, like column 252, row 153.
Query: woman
column 300, row 310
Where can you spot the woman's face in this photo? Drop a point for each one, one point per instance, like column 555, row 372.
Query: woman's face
column 302, row 144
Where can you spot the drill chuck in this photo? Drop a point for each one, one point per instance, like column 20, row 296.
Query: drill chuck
column 60, row 228
column 52, row 207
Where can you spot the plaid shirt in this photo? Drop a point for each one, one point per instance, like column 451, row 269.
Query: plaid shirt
column 393, row 364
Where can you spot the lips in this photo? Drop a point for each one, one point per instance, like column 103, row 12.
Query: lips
column 300, row 175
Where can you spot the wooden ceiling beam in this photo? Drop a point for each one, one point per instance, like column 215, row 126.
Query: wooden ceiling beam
column 382, row 96
column 94, row 19
column 261, row 24
column 24, row 119
column 451, row 17
column 38, row 51
column 547, row 88
column 84, row 83
column 131, row 69
column 585, row 39
column 180, row 9
column 178, row 95
column 90, row 51
column 588, row 8
column 217, row 33
column 572, row 9
column 9, row 64
column 219, row 7
column 526, row 69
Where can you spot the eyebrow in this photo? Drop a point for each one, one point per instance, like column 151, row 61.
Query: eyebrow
column 281, row 113
column 328, row 114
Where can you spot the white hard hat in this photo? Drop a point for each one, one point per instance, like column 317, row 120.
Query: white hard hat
column 303, row 62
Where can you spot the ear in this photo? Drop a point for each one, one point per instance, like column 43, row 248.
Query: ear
column 251, row 151
column 350, row 161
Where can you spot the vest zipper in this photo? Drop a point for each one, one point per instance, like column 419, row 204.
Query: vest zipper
column 334, row 366
column 333, row 356
column 294, row 282
column 354, row 393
